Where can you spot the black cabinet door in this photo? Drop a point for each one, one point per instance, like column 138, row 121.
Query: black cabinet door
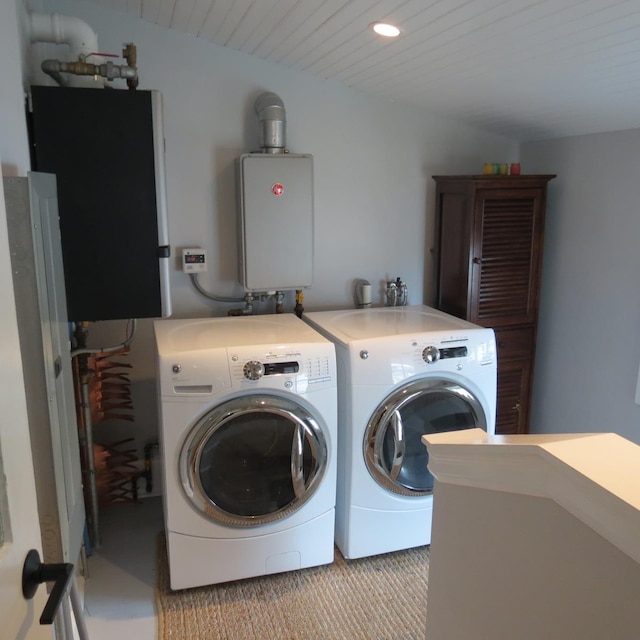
column 101, row 146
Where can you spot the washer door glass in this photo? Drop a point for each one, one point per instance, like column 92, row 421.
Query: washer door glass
column 393, row 450
column 253, row 460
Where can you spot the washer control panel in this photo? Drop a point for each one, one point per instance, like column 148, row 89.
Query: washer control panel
column 254, row 370
column 291, row 370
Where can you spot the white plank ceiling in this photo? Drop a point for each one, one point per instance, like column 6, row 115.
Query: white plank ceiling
column 526, row 69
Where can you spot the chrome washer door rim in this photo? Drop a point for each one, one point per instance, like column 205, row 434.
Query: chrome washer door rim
column 306, row 428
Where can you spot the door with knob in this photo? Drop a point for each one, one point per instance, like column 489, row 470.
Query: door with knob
column 19, row 525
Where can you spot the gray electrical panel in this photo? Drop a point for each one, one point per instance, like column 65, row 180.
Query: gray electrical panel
column 275, row 221
column 38, row 281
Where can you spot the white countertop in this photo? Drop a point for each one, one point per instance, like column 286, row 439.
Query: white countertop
column 596, row 477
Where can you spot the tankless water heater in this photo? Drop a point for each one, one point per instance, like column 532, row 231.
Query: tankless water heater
column 275, row 221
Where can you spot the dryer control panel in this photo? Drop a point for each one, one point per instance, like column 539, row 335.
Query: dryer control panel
column 392, row 359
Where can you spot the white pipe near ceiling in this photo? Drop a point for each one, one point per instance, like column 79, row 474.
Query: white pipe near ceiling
column 60, row 29
column 85, row 65
column 71, row 31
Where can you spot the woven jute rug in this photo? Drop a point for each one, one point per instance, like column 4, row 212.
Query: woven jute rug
column 379, row 598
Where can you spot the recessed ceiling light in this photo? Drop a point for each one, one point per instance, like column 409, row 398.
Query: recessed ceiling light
column 385, row 29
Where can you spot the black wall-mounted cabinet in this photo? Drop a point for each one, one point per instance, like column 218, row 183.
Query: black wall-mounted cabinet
column 106, row 149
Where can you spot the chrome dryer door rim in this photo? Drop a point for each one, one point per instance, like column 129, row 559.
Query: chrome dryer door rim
column 385, row 445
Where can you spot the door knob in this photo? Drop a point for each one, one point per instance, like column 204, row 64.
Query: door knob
column 34, row 573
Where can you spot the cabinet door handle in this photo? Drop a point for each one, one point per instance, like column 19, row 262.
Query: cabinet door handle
column 516, row 407
column 477, row 261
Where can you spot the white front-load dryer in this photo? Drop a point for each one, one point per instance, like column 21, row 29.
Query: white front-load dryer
column 248, row 437
column 403, row 372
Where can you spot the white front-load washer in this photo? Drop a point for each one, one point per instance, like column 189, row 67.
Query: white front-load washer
column 403, row 372
column 248, row 436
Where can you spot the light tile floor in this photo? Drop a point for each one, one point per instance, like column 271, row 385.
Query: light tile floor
column 119, row 595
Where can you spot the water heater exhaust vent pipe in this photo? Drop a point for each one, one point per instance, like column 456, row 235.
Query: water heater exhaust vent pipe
column 273, row 121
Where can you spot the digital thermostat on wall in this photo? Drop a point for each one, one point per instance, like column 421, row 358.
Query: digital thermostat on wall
column 194, row 260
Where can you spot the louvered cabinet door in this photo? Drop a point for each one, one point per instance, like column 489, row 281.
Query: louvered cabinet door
column 515, row 363
column 488, row 242
column 514, row 392
column 506, row 257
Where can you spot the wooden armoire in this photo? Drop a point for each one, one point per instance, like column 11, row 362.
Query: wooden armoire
column 488, row 243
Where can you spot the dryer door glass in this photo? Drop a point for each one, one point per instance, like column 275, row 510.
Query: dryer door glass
column 393, row 450
column 253, row 460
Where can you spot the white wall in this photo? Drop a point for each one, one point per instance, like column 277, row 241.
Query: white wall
column 373, row 159
column 14, row 154
column 373, row 162
column 589, row 338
